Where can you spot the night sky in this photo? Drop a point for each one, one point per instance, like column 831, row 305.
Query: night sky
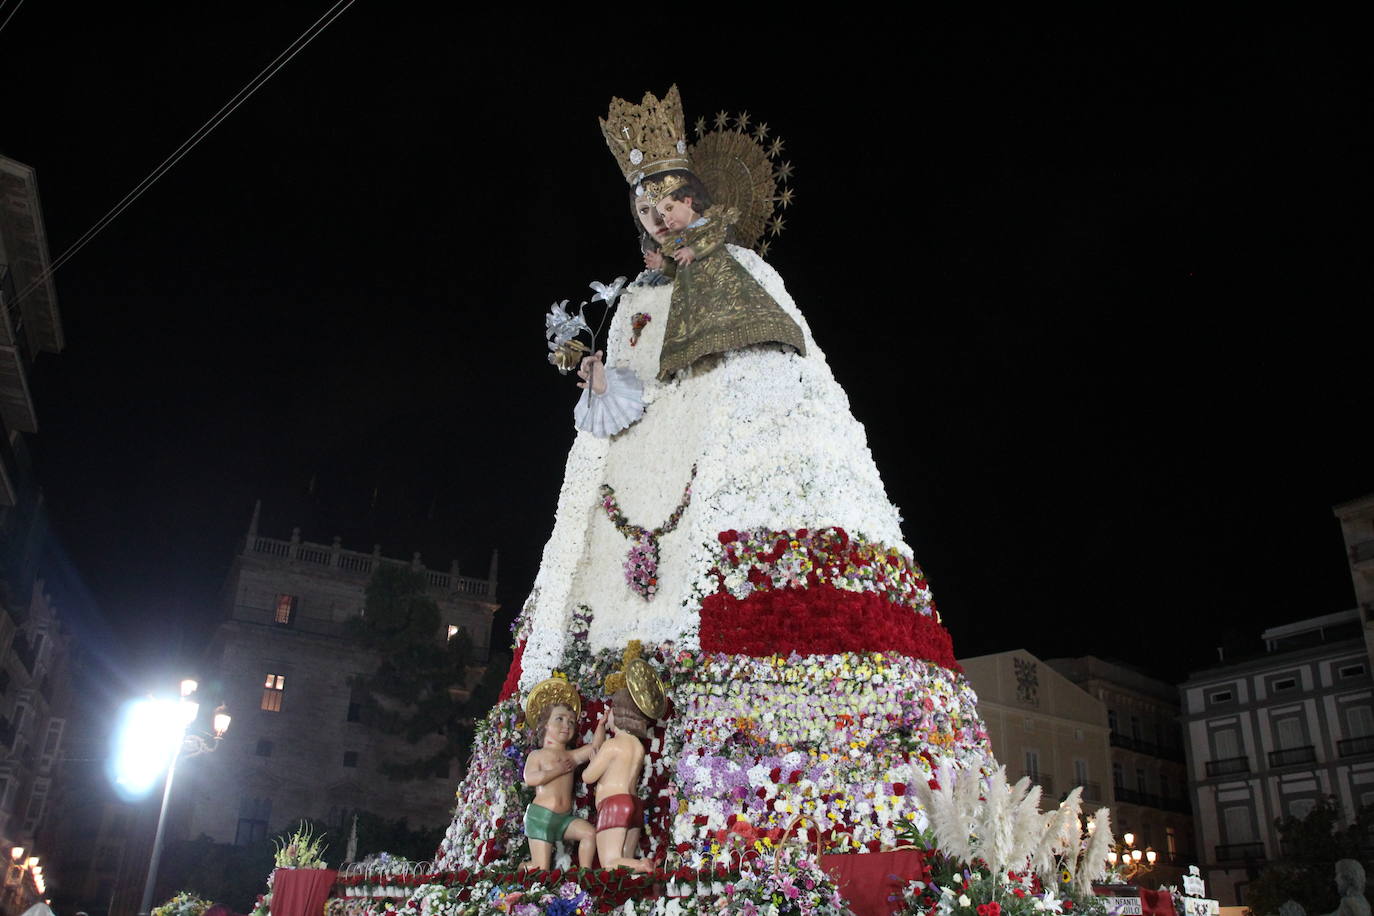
column 1091, row 288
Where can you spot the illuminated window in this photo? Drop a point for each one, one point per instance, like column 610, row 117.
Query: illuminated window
column 453, row 629
column 1171, row 841
column 272, row 690
column 286, row 609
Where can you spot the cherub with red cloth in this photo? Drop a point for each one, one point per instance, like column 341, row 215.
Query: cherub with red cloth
column 619, row 763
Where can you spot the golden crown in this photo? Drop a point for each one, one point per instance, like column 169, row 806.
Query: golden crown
column 647, row 138
column 656, row 189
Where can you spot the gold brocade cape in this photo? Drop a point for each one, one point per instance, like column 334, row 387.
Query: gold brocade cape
column 717, row 305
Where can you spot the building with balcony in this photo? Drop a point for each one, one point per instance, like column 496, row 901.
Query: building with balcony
column 34, row 694
column 1149, row 779
column 1269, row 736
column 1042, row 725
column 301, row 743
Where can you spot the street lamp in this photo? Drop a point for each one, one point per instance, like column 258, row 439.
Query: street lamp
column 1133, row 862
column 18, row 875
column 154, row 738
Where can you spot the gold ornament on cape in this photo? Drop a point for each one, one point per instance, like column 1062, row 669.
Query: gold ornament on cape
column 646, row 690
column 556, row 691
column 647, row 138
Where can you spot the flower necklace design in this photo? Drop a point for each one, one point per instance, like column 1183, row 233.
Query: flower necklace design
column 641, row 563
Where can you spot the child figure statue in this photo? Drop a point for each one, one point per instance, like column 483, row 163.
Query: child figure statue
column 618, row 764
column 552, row 708
column 717, row 305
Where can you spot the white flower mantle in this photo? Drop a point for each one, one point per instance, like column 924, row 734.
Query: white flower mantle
column 775, row 446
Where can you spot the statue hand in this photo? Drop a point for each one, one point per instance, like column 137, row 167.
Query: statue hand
column 684, row 256
column 653, row 260
column 592, row 373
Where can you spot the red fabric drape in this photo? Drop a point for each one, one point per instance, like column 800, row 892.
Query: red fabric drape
column 301, row 891
column 1156, row 903
column 867, row 881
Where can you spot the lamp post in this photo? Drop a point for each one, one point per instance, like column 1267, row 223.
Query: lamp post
column 188, row 744
column 22, row 870
column 1133, row 862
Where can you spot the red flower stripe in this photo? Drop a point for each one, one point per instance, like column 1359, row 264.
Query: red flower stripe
column 820, row 620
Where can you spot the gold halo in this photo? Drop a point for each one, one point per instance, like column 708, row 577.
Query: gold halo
column 645, row 688
column 736, row 170
column 556, row 691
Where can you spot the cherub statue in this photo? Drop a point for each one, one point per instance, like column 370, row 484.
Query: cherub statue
column 636, row 699
column 552, row 710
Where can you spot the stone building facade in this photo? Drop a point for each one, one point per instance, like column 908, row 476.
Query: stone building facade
column 1149, row 778
column 34, row 693
column 299, row 745
column 1270, row 736
column 1042, row 725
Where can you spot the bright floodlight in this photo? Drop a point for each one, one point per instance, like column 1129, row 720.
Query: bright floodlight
column 148, row 738
column 17, row 853
column 188, row 686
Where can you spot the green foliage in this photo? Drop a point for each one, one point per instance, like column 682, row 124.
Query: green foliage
column 412, row 692
column 1307, row 871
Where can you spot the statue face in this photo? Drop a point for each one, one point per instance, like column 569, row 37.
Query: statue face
column 650, row 219
column 677, row 214
column 559, row 731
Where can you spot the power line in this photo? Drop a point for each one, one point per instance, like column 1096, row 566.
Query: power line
column 3, row 3
column 253, row 85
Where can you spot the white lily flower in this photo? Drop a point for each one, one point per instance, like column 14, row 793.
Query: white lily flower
column 605, row 293
column 560, row 327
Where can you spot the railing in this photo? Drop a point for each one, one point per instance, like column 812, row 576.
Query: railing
column 1240, row 852
column 1044, row 780
column 1292, row 756
column 1228, row 767
column 1353, row 747
column 1145, row 747
column 1092, row 792
column 1151, row 800
column 363, row 564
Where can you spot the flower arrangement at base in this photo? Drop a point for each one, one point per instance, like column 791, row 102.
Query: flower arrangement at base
column 750, row 743
column 302, row 849
column 992, row 852
column 183, row 904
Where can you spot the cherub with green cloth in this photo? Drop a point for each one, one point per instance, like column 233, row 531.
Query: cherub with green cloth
column 552, row 710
